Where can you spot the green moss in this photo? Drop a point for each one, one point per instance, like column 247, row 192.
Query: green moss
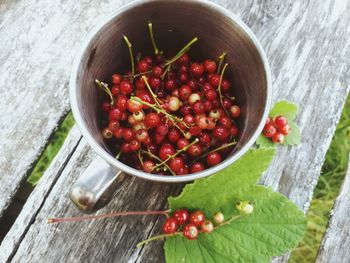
column 52, row 149
column 327, row 189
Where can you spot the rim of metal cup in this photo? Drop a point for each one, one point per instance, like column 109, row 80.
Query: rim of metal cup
column 161, row 178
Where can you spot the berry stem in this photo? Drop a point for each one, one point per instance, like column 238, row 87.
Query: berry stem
column 105, row 88
column 219, row 88
column 150, row 27
column 142, row 73
column 131, row 56
column 151, row 91
column 158, row 159
column 222, row 58
column 216, row 150
column 118, row 155
column 109, row 215
column 172, row 118
column 181, row 52
column 146, row 241
column 178, row 152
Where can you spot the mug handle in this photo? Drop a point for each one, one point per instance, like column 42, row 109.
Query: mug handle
column 96, row 186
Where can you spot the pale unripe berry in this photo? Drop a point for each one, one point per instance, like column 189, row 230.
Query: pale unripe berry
column 219, row 218
column 138, row 116
column 207, row 226
column 139, row 126
column 193, row 98
column 132, row 120
column 245, row 207
column 107, row 133
column 215, row 114
column 174, row 103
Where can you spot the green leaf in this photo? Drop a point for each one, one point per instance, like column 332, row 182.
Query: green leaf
column 219, row 187
column 294, row 136
column 275, row 226
column 264, row 142
column 285, row 108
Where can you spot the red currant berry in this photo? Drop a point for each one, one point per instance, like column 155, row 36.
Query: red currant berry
column 170, row 84
column 134, row 106
column 198, row 107
column 197, row 218
column 202, row 122
column 174, row 135
column 162, row 129
column 225, row 85
column 170, row 226
column 182, row 143
column 183, row 59
column 197, row 69
column 227, row 103
column 213, row 158
column 234, row 131
column 125, row 148
column 278, row 138
column 154, row 82
column 116, row 79
column 135, row 145
column 128, row 134
column 225, row 122
column 165, row 151
column 174, row 103
column 186, row 109
column 140, row 83
column 121, row 102
column 280, row 121
column 148, row 166
column 215, row 80
column 221, row 133
column 285, row 130
column 113, row 125
column 183, row 77
column 152, row 120
column 195, row 130
column 148, row 60
column 197, row 167
column 195, row 150
column 210, row 95
column 115, row 114
column 182, row 171
column 143, row 66
column 185, row 92
column 207, row 226
column 235, row 111
column 118, row 133
column 157, row 71
column 190, row 231
column 204, row 138
column 210, row 66
column 182, row 216
column 115, row 90
column 176, row 163
column 125, row 87
column 189, row 119
column 269, row 130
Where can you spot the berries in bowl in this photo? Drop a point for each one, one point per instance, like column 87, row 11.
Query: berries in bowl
column 170, row 115
column 175, row 100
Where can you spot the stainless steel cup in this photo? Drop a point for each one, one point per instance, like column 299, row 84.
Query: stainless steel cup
column 175, row 23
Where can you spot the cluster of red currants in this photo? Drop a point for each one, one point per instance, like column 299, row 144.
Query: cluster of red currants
column 191, row 224
column 170, row 116
column 277, row 129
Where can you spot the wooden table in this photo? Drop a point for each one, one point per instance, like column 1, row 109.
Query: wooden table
column 308, row 47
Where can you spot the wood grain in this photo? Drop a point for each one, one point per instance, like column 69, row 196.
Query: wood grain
column 335, row 246
column 308, row 49
column 38, row 42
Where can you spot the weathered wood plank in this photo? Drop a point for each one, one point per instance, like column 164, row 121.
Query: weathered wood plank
column 335, row 246
column 307, row 45
column 38, row 42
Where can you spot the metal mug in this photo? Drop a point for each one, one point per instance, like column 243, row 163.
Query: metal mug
column 175, row 23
